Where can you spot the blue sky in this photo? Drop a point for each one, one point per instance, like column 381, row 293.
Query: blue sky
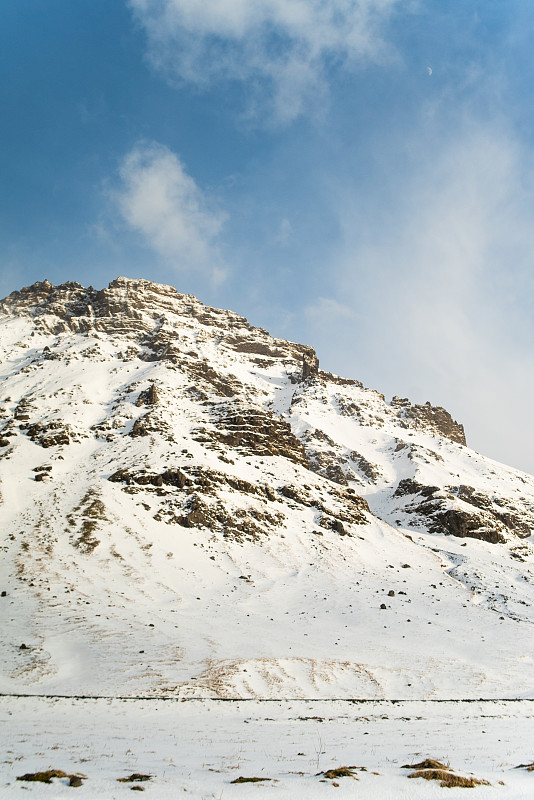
column 354, row 174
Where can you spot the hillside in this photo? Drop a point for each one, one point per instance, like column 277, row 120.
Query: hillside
column 193, row 508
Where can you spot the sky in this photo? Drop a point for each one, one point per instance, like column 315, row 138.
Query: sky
column 357, row 175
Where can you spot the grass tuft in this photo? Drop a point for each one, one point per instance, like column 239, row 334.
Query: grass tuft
column 339, row 772
column 135, row 776
column 448, row 779
column 428, row 763
column 47, row 775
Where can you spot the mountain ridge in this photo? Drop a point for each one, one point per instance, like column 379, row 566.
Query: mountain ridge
column 153, row 449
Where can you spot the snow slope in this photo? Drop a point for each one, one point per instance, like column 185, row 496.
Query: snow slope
column 191, row 508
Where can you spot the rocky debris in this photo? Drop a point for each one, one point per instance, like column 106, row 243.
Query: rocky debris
column 148, row 397
column 151, row 423
column 310, row 364
column 205, row 377
column 196, row 504
column 51, row 434
column 323, row 461
column 260, row 433
column 191, row 479
column 332, row 524
column 170, row 477
column 349, row 409
column 326, row 463
column 476, row 516
column 245, row 344
column 352, row 508
column 43, row 473
column 408, row 486
column 427, row 417
column 23, row 410
column 371, row 471
column 238, row 524
column 328, row 377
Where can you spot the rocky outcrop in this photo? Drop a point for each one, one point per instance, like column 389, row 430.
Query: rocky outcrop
column 428, row 417
column 464, row 512
column 310, row 364
column 149, row 397
column 144, row 310
column 260, row 433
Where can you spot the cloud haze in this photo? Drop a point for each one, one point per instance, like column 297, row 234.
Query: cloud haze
column 283, row 49
column 442, row 295
column 160, row 201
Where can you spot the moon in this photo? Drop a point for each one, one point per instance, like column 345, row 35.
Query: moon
column 429, row 70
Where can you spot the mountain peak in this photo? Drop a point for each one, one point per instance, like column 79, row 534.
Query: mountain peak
column 164, row 460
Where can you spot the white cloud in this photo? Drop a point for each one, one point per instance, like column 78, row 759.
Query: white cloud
column 160, row 201
column 327, row 312
column 282, row 49
column 285, row 232
column 442, row 289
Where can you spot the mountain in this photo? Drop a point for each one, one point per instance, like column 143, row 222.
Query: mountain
column 192, row 507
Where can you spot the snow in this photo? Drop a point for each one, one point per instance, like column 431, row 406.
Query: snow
column 196, row 748
column 227, row 651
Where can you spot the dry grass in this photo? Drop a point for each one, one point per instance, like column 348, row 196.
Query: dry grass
column 428, row 763
column 47, row 775
column 135, row 776
column 241, row 779
column 448, row 779
column 339, row 772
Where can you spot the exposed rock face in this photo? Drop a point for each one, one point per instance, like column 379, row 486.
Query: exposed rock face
column 244, row 395
column 141, row 308
column 310, row 365
column 476, row 515
column 149, row 397
column 429, row 417
column 260, row 434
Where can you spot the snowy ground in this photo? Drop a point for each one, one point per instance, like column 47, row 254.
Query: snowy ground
column 199, row 746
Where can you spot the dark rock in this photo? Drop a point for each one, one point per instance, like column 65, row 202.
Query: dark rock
column 149, row 397
column 258, row 432
column 332, row 524
column 410, row 486
column 328, row 377
column 310, row 364
column 371, row 471
column 433, row 418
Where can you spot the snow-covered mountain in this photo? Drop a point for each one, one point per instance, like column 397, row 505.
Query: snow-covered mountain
column 191, row 507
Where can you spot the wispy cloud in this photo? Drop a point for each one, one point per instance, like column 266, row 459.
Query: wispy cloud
column 327, row 311
column 443, row 288
column 282, row 49
column 160, row 201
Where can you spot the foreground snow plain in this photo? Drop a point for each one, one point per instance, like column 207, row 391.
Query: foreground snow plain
column 196, row 748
